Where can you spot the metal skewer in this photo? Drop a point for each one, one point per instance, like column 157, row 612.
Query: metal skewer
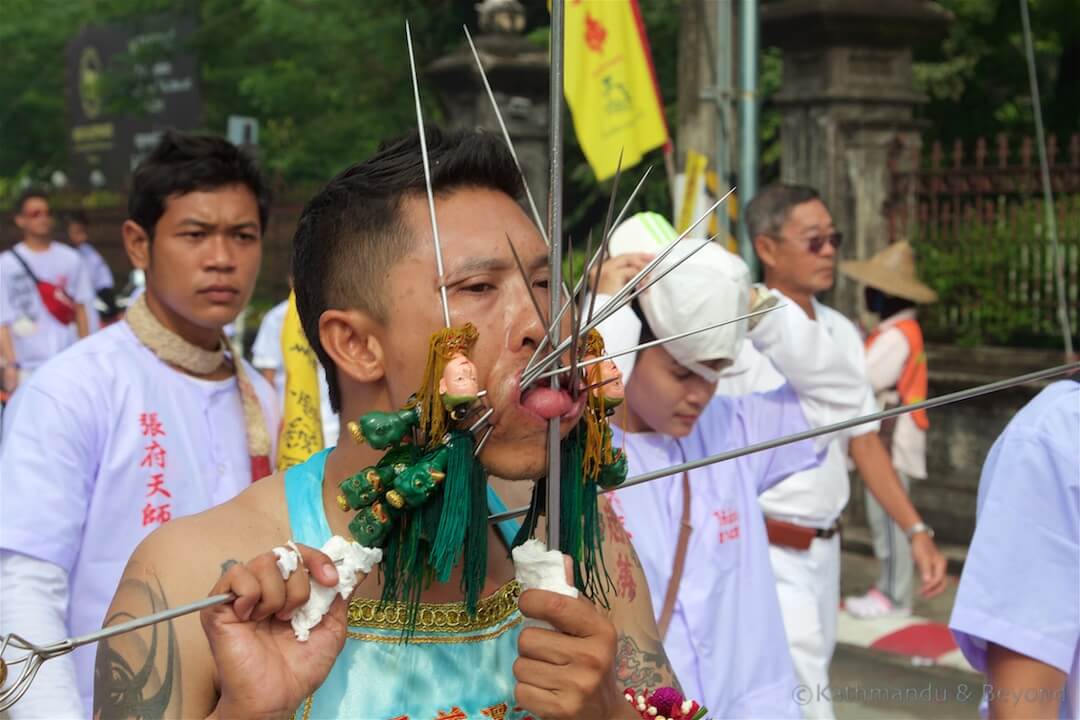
column 948, row 399
column 427, row 180
column 661, row 341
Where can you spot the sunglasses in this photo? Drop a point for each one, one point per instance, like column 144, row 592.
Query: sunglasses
column 816, row 243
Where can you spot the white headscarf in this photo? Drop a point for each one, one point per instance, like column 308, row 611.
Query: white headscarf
column 711, row 286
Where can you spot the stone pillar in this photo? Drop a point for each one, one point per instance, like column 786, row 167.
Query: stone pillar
column 847, row 96
column 518, row 72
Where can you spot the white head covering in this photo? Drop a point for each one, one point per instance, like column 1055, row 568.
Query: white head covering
column 708, row 288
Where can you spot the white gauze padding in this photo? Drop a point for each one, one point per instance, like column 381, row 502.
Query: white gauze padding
column 288, row 559
column 351, row 559
column 537, row 568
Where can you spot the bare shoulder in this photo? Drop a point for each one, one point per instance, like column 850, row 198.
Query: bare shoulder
column 165, row 670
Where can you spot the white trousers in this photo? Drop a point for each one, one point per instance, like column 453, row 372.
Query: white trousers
column 808, row 586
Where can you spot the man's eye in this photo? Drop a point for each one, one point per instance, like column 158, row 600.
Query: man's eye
column 681, row 374
column 193, row 234
column 477, row 288
column 543, row 284
column 248, row 237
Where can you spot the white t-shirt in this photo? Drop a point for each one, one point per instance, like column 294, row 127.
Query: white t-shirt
column 814, row 497
column 35, row 333
column 104, row 444
column 266, row 355
column 100, row 277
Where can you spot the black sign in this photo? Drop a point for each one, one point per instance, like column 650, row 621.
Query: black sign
column 126, row 84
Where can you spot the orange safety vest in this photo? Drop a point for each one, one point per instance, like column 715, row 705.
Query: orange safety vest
column 913, row 383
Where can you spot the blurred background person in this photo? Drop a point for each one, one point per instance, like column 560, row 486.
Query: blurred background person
column 44, row 292
column 897, row 370
column 102, row 310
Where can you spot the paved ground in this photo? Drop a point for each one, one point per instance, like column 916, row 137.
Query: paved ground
column 899, row 668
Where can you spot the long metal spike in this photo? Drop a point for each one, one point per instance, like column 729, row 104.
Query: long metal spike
column 661, row 341
column 555, row 105
column 610, row 308
column 528, row 285
column 955, row 397
column 575, row 326
column 562, row 311
column 483, row 441
column 629, row 200
column 506, row 137
column 427, row 179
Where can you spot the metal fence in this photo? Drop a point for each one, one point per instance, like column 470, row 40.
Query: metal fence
column 978, row 227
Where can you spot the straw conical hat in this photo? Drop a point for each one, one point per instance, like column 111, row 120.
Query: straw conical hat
column 892, row 271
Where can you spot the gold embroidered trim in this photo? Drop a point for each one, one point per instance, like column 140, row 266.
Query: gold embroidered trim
column 434, row 639
column 436, row 617
column 307, row 707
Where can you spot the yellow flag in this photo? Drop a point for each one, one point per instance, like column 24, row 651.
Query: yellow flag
column 301, row 428
column 610, row 83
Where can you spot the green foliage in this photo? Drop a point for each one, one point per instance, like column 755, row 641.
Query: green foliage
column 995, row 278
column 981, row 67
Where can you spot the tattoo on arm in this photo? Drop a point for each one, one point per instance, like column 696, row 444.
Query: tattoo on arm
column 639, row 667
column 228, row 564
column 129, row 680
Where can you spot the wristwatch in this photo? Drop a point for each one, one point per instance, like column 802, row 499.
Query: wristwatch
column 917, row 528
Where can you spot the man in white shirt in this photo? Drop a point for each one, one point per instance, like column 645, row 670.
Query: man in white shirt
column 268, row 359
column 44, row 292
column 143, row 422
column 97, row 270
column 796, row 241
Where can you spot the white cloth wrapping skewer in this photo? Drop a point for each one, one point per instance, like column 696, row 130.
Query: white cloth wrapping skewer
column 537, row 568
column 350, row 558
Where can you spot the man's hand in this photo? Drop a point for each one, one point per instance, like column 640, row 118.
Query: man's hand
column 263, row 671
column 616, row 272
column 568, row 672
column 931, row 564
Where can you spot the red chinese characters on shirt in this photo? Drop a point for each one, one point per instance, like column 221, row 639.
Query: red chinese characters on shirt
column 595, row 33
column 729, row 524
column 157, row 509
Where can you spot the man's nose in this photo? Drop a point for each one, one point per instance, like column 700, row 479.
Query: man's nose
column 526, row 327
column 219, row 254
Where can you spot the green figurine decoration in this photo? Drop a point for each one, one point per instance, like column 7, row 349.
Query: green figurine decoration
column 425, row 501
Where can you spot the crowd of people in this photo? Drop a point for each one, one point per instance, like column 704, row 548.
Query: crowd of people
column 137, row 458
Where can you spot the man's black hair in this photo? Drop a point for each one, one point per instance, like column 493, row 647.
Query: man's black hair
column 769, row 210
column 884, row 304
column 27, row 194
column 352, row 231
column 182, row 163
column 76, row 217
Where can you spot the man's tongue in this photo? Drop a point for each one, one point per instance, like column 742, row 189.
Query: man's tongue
column 546, row 402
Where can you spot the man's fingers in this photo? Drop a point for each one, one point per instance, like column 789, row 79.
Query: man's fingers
column 539, row 674
column 537, row 701
column 572, row 616
column 240, row 581
column 320, row 566
column 272, row 586
column 544, row 645
column 297, row 592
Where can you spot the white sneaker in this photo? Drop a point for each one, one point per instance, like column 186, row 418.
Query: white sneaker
column 872, row 605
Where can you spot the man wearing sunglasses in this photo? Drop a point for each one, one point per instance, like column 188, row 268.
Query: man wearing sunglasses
column 43, row 293
column 797, row 244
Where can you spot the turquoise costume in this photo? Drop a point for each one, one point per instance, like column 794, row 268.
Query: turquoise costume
column 455, row 667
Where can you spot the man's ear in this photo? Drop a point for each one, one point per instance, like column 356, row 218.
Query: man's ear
column 349, row 339
column 137, row 244
column 765, row 247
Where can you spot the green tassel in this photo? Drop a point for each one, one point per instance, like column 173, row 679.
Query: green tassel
column 580, row 532
column 474, row 571
column 536, row 509
column 449, row 538
column 570, row 488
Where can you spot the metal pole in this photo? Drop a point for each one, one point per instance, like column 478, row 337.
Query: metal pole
column 749, row 22
column 722, row 98
column 1048, row 195
column 555, row 102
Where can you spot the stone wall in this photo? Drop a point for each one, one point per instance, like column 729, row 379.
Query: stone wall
column 960, row 435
